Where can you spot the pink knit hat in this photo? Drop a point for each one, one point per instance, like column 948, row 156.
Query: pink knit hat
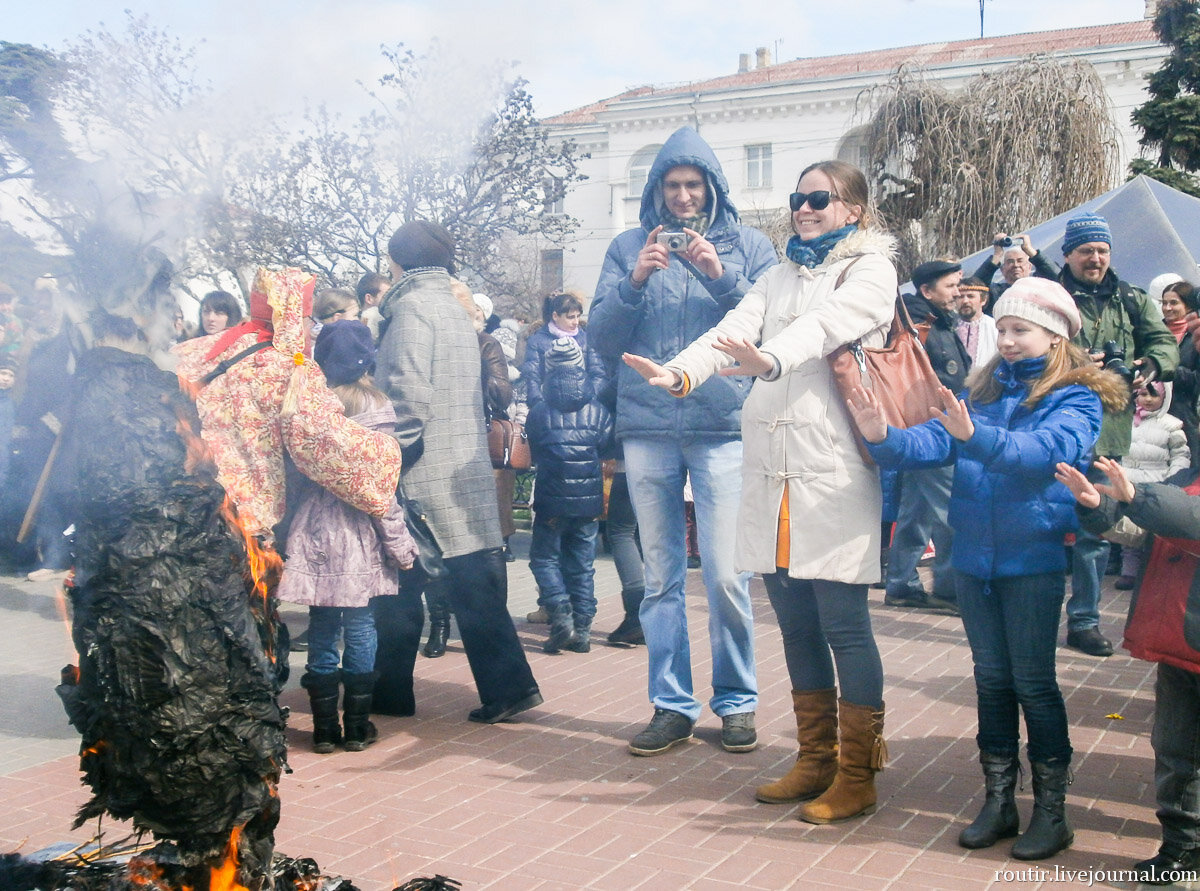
column 1042, row 302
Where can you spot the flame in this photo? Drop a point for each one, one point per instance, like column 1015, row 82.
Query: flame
column 224, row 877
column 146, row 874
column 60, row 602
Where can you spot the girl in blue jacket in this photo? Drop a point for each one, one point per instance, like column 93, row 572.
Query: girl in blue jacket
column 1038, row 402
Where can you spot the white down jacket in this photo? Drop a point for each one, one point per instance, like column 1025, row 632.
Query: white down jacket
column 1159, row 446
column 795, row 430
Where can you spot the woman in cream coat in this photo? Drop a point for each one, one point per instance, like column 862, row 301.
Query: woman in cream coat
column 809, row 516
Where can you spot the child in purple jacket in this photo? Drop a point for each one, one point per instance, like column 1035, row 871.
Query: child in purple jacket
column 338, row 558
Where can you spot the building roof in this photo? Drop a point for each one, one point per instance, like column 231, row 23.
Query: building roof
column 927, row 55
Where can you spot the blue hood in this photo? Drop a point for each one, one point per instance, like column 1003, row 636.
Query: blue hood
column 686, row 147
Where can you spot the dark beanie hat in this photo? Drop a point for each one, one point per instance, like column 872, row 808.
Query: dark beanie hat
column 928, row 273
column 564, row 351
column 421, row 243
column 344, row 351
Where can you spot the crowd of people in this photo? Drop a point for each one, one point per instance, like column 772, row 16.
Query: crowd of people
column 1067, row 416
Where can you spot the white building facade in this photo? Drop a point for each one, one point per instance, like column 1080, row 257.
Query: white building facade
column 767, row 123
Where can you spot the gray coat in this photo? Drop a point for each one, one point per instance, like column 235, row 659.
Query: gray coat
column 428, row 364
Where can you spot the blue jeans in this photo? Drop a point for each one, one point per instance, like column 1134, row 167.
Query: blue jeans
column 1088, row 565
column 561, row 555
column 924, row 503
column 656, row 469
column 1012, row 626
column 355, row 625
column 1089, row 562
column 818, row 616
column 1176, row 742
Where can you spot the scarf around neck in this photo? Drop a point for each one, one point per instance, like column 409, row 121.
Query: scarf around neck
column 813, row 252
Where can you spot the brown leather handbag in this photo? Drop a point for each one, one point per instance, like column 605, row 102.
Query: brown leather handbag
column 899, row 374
column 508, row 445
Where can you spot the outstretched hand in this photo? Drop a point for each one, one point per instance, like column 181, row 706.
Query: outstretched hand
column 656, row 375
column 954, row 415
column 1119, row 486
column 751, row 361
column 868, row 415
column 1081, row 487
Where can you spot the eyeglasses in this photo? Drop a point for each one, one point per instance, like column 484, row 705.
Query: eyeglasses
column 818, row 200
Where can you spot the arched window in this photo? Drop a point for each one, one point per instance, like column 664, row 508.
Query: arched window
column 639, row 169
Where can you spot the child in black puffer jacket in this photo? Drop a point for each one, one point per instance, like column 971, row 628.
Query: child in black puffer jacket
column 567, row 432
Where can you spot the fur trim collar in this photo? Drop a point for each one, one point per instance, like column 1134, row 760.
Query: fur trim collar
column 1111, row 388
column 864, row 241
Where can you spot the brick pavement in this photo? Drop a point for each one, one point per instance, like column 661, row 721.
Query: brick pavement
column 553, row 801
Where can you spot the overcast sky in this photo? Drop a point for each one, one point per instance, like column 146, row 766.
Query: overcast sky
column 283, row 52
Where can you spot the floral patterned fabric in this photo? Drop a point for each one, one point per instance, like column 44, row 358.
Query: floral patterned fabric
column 276, row 400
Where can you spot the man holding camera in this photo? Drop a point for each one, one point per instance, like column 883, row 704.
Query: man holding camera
column 1124, row 332
column 925, row 494
column 662, row 286
column 1015, row 257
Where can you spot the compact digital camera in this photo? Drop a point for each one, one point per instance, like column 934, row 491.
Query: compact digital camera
column 675, row 241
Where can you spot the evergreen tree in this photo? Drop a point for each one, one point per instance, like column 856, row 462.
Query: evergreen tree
column 1170, row 118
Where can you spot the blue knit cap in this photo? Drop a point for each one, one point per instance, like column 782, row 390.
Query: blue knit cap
column 344, row 351
column 1084, row 229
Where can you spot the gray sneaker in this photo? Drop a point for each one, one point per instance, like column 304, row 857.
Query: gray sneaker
column 738, row 733
column 666, row 729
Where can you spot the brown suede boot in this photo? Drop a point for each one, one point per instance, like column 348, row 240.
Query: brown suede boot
column 861, row 754
column 816, row 765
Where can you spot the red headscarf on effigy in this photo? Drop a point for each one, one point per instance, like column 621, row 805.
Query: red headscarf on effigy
column 272, row 300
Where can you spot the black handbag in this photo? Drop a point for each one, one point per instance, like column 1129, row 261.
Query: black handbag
column 429, row 553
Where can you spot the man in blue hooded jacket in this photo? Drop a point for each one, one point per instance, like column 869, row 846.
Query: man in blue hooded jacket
column 662, row 286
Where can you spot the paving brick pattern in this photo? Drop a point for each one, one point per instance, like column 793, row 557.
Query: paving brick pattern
column 554, row 801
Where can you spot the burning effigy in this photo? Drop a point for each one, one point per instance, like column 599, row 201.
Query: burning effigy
column 174, row 485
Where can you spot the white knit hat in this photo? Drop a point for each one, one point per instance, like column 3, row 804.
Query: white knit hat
column 1042, row 302
column 484, row 302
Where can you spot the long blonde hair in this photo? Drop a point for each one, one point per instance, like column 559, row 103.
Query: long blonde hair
column 360, row 396
column 1063, row 358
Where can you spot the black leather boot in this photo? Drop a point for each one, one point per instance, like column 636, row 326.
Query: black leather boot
column 356, row 710
column 581, row 640
column 562, row 626
column 629, row 632
column 323, row 697
column 1164, row 868
column 439, row 622
column 998, row 819
column 1048, row 832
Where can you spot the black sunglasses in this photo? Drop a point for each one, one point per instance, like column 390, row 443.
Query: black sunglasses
column 818, row 200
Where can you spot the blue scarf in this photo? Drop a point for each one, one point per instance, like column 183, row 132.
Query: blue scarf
column 811, row 253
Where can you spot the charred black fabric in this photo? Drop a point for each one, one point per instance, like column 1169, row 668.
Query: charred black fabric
column 285, row 874
column 175, row 698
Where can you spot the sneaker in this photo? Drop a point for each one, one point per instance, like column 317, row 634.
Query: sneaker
column 494, row 714
column 1090, row 641
column 738, row 733
column 538, row 617
column 693, row 562
column 666, row 729
column 906, row 599
column 1125, row 583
